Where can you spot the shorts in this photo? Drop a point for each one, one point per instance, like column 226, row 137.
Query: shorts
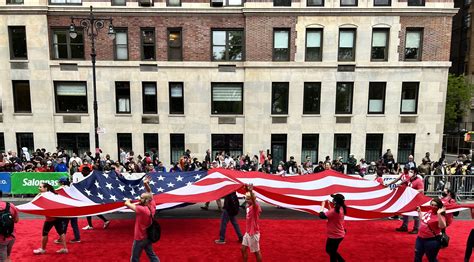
column 6, row 249
column 58, row 224
column 253, row 242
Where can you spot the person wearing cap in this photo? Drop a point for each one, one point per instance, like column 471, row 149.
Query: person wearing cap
column 335, row 225
column 416, row 183
column 351, row 164
column 251, row 238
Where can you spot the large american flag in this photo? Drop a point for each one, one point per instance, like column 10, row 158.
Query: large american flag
column 101, row 193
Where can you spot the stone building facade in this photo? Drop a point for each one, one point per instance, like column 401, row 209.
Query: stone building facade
column 297, row 78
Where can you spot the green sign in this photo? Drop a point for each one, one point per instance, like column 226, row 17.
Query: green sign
column 28, row 183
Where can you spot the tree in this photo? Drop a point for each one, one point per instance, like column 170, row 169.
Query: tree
column 458, row 100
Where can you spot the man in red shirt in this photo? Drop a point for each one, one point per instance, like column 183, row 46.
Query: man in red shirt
column 145, row 210
column 251, row 238
column 6, row 243
column 416, row 183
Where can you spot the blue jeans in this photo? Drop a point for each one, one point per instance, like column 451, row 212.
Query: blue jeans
column 428, row 246
column 224, row 220
column 75, row 228
column 139, row 246
column 417, row 222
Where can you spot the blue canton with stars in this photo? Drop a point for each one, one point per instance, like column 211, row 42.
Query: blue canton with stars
column 102, row 187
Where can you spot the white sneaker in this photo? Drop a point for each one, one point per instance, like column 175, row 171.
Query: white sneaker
column 62, row 251
column 87, row 228
column 39, row 251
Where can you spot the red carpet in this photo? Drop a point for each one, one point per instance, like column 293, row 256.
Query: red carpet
column 281, row 240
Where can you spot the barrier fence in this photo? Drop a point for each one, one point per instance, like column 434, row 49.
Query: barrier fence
column 23, row 183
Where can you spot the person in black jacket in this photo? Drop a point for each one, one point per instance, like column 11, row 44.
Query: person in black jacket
column 231, row 210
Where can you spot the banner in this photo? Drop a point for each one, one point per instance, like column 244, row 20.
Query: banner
column 28, row 183
column 5, row 182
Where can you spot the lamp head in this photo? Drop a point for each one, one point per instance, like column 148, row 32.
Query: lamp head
column 111, row 32
column 72, row 31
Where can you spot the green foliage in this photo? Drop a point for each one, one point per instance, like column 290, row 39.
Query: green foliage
column 458, row 100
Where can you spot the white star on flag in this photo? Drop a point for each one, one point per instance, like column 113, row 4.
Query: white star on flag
column 122, row 188
column 113, row 198
column 132, row 192
column 160, row 189
column 97, row 184
column 197, row 176
column 179, row 178
column 141, row 188
column 108, row 185
column 189, row 183
column 106, row 175
column 152, row 183
column 161, row 178
column 88, row 192
column 99, row 195
column 170, row 184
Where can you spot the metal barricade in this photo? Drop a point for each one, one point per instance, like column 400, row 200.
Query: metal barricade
column 461, row 184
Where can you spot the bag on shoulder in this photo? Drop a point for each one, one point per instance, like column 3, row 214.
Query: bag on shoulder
column 154, row 230
column 7, row 223
column 443, row 239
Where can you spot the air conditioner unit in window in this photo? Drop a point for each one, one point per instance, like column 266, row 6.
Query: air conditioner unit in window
column 145, row 2
column 217, row 3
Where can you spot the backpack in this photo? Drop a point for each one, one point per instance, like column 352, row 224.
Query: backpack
column 7, row 222
column 154, row 230
column 234, row 205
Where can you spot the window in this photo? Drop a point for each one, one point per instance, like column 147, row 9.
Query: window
column 413, row 44
column 380, row 44
column 312, row 98
column 18, row 48
column 173, row 2
column 227, row 45
column 382, row 2
column 71, row 97
column 315, row 3
column 342, row 146
column 373, row 147
column 406, row 147
column 2, row 143
column 348, row 2
column 346, row 50
column 280, row 92
column 122, row 97
column 278, row 148
column 377, row 97
column 175, row 51
column 65, row 47
column 314, row 40
column 227, row 98
column 281, row 2
column 344, row 92
column 233, row 2
column 176, row 98
column 13, row 2
column 119, row 2
column 24, row 140
column 232, row 144
column 150, row 105
column 148, row 43
column 409, row 103
column 309, row 147
column 416, row 3
column 124, row 141
column 74, row 142
column 65, row 2
column 21, row 97
column 150, row 141
column 177, row 147
column 281, row 44
column 121, row 44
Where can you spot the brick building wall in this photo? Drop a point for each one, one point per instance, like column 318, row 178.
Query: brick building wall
column 436, row 36
column 196, row 34
column 259, row 36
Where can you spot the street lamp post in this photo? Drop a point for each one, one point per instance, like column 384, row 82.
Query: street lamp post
column 92, row 25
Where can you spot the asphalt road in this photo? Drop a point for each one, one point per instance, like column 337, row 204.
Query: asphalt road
column 194, row 211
